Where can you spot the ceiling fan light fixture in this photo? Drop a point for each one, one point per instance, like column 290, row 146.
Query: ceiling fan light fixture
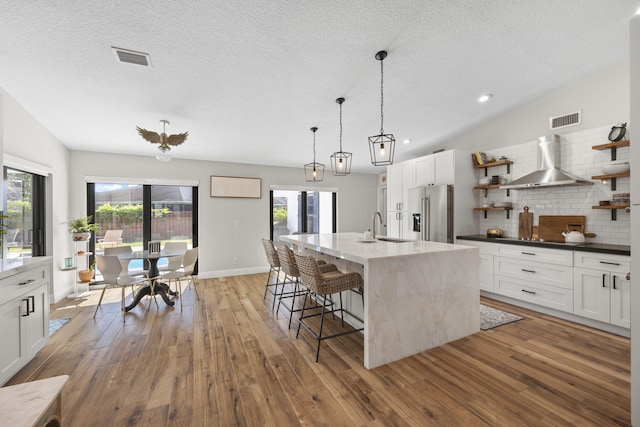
column 382, row 146
column 165, row 141
column 341, row 160
column 314, row 172
column 164, row 155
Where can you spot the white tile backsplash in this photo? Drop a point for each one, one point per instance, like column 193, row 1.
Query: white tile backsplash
column 578, row 158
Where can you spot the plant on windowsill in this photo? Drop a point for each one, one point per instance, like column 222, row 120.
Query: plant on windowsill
column 87, row 275
column 81, row 228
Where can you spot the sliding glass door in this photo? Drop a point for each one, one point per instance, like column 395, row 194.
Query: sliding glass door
column 144, row 212
column 25, row 211
column 294, row 212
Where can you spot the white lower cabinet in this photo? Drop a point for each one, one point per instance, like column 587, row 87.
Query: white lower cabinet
column 542, row 283
column 487, row 250
column 24, row 317
column 603, row 293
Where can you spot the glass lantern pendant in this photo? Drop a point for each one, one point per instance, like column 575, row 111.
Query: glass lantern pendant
column 314, row 172
column 382, row 146
column 341, row 160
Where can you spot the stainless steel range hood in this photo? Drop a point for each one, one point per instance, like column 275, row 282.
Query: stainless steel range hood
column 548, row 173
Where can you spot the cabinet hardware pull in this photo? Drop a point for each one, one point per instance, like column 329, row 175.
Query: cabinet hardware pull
column 33, row 303
column 529, row 292
column 614, row 281
column 27, row 311
column 26, row 282
column 629, row 276
column 609, row 263
column 604, row 277
column 527, row 253
column 528, row 271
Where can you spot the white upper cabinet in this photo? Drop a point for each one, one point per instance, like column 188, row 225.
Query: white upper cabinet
column 400, row 177
column 436, row 169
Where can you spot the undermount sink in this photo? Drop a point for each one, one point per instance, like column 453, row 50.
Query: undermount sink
column 392, row 239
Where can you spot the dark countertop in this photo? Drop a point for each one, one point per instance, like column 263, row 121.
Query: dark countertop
column 583, row 247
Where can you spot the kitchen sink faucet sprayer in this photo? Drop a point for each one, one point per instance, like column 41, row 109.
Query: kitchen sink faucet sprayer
column 373, row 224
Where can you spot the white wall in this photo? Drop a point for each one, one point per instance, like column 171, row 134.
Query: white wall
column 228, row 228
column 603, row 98
column 635, row 225
column 25, row 138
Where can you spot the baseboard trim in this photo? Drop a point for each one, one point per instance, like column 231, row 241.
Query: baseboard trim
column 234, row 272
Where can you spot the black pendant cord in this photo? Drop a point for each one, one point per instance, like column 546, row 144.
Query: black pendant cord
column 381, row 97
column 314, row 129
column 340, row 127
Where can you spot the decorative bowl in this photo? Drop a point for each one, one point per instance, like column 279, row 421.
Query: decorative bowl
column 484, row 181
column 616, row 168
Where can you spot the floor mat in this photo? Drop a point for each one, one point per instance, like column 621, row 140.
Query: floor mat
column 492, row 317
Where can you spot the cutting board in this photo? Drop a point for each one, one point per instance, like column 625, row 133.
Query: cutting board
column 550, row 227
column 525, row 224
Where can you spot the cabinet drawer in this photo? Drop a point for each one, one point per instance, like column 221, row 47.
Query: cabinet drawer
column 536, row 272
column 547, row 296
column 13, row 286
column 604, row 262
column 551, row 256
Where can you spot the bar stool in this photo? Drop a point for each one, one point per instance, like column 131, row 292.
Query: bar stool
column 274, row 264
column 324, row 285
column 292, row 275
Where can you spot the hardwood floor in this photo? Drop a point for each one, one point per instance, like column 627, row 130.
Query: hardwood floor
column 228, row 360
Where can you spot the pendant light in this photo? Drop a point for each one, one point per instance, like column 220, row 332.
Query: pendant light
column 314, row 172
column 382, row 146
column 341, row 160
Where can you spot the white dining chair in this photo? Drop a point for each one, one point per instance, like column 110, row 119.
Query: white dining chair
column 186, row 272
column 174, row 262
column 119, row 250
column 111, row 269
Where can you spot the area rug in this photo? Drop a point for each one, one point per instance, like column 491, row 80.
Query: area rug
column 492, row 317
column 56, row 324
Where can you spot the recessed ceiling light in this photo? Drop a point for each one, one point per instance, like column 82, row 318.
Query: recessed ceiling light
column 485, row 97
column 406, row 141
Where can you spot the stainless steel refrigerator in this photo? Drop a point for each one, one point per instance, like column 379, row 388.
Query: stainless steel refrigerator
column 431, row 213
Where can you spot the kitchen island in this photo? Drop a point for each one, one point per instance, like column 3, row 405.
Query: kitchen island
column 417, row 294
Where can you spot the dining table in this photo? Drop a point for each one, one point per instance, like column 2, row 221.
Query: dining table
column 155, row 286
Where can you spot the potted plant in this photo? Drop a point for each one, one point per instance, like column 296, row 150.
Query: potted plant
column 81, row 228
column 87, row 275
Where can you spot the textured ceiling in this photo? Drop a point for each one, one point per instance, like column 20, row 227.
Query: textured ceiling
column 248, row 78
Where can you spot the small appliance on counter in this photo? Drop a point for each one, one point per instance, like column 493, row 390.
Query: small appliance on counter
column 493, row 233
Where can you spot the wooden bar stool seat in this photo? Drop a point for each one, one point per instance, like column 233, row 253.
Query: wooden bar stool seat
column 324, row 285
column 292, row 274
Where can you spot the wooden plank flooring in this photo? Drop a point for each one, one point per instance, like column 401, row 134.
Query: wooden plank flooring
column 228, row 360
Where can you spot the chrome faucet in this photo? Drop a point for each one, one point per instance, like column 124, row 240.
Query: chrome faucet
column 373, row 224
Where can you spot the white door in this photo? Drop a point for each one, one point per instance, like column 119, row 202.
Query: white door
column 591, row 294
column 14, row 351
column 621, row 301
column 37, row 322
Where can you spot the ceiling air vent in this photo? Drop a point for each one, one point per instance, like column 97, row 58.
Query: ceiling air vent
column 566, row 120
column 132, row 57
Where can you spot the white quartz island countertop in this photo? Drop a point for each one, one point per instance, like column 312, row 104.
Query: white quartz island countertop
column 11, row 266
column 418, row 294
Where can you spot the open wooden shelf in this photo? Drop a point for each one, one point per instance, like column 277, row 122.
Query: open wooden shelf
column 617, row 175
column 500, row 208
column 611, row 145
column 613, row 209
column 493, row 164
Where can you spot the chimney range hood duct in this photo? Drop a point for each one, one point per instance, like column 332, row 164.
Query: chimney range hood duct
column 548, row 173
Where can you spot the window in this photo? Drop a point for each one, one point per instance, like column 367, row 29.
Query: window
column 294, row 212
column 144, row 212
column 25, row 211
